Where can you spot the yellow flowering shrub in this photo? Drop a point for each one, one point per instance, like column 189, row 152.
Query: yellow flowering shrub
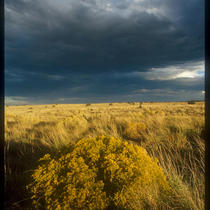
column 97, row 173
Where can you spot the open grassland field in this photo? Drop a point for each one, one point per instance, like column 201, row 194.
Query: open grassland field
column 170, row 132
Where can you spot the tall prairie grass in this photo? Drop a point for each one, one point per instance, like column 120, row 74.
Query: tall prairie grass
column 170, row 132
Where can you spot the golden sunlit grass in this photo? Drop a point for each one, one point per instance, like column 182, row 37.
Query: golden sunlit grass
column 170, row 132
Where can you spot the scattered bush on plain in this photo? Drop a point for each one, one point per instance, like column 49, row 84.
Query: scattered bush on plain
column 131, row 103
column 140, row 104
column 191, row 102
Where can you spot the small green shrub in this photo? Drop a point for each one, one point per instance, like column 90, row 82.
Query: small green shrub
column 191, row 102
column 131, row 103
column 98, row 173
column 140, row 104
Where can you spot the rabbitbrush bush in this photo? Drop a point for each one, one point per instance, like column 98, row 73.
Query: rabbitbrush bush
column 99, row 173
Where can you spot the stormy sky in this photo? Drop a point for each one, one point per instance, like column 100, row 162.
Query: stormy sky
column 89, row 51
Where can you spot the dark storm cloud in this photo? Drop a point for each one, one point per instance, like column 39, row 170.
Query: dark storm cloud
column 78, row 47
column 102, row 85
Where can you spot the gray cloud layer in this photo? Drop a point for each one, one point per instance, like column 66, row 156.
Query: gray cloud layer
column 77, row 48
